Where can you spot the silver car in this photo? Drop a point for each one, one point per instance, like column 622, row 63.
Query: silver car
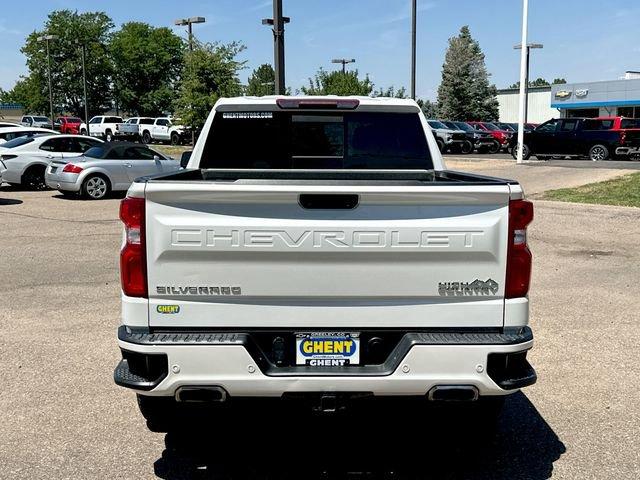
column 109, row 167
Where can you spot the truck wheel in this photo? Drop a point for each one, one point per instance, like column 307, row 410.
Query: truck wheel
column 159, row 412
column 175, row 139
column 146, row 137
column 598, row 153
column 83, row 131
column 95, row 187
column 108, row 136
column 440, row 145
column 526, row 152
column 495, row 147
column 33, row 178
column 466, row 147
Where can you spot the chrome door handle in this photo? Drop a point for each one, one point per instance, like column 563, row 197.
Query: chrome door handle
column 50, row 156
column 128, row 165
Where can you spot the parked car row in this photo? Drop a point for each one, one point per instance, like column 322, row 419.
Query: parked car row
column 465, row 137
column 78, row 164
column 595, row 138
column 109, row 128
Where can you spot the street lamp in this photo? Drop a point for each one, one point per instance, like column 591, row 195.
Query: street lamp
column 413, row 48
column 344, row 62
column 278, row 22
column 523, row 80
column 47, row 39
column 189, row 23
column 526, row 75
column 84, row 83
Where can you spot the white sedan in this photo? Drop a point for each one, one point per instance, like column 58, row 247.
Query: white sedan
column 24, row 159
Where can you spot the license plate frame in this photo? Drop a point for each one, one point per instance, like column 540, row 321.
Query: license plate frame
column 327, row 349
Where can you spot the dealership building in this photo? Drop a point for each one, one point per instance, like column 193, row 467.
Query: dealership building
column 588, row 99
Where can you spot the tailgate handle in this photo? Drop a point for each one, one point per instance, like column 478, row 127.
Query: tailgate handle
column 328, row 202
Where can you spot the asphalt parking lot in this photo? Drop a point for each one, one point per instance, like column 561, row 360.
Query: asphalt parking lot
column 63, row 417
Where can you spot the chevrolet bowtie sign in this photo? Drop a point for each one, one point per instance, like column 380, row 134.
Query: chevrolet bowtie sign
column 563, row 94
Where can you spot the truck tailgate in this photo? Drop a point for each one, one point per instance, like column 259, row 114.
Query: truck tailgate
column 250, row 255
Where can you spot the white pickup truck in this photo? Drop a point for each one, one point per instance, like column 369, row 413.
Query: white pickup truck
column 109, row 128
column 318, row 248
column 164, row 130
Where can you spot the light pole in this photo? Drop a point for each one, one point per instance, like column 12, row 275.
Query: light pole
column 526, row 75
column 523, row 75
column 84, row 84
column 189, row 23
column 413, row 48
column 344, row 62
column 47, row 39
column 278, row 22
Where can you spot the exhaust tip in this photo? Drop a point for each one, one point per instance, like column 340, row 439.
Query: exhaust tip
column 201, row 394
column 453, row 393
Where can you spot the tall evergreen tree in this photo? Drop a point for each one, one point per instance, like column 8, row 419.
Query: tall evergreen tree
column 465, row 92
column 262, row 81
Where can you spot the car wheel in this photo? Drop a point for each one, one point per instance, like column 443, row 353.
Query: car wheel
column 440, row 145
column 146, row 137
column 95, row 187
column 598, row 153
column 33, row 178
column 83, row 131
column 175, row 139
column 495, row 147
column 466, row 147
column 108, row 136
column 159, row 412
column 526, row 152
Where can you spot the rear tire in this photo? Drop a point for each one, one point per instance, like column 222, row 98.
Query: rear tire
column 108, row 136
column 146, row 137
column 175, row 139
column 83, row 131
column 495, row 147
column 598, row 153
column 159, row 412
column 440, row 145
column 33, row 178
column 95, row 187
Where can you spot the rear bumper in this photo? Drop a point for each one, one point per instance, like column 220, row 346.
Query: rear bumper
column 68, row 182
column 158, row 364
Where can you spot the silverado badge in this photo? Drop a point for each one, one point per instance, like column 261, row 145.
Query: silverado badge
column 477, row 287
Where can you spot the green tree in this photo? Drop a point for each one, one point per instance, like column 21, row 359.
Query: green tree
column 429, row 108
column 210, row 72
column 558, row 81
column 465, row 92
column 262, row 81
column 29, row 93
column 91, row 28
column 540, row 82
column 147, row 62
column 338, row 83
column 391, row 92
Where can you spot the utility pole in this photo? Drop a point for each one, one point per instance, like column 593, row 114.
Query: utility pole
column 84, row 84
column 413, row 48
column 344, row 62
column 189, row 23
column 278, row 22
column 523, row 75
column 47, row 39
column 526, row 86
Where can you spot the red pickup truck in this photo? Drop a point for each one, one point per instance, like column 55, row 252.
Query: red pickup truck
column 623, row 125
column 69, row 125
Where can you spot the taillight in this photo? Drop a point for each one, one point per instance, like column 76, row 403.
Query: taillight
column 518, row 253
column 133, row 265
column 71, row 168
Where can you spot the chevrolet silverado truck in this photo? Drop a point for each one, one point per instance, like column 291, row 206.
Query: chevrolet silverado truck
column 109, row 128
column 318, row 249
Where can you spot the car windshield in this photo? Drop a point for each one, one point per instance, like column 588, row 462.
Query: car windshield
column 95, row 152
column 40, row 119
column 505, row 126
column 436, row 124
column 74, row 120
column 16, row 142
column 464, row 126
column 316, row 140
column 490, row 126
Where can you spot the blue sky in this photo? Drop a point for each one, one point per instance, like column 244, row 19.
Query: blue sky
column 585, row 40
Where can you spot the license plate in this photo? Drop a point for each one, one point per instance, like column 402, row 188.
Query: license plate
column 327, row 349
